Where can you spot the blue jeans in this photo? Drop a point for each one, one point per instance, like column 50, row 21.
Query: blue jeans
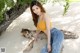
column 57, row 38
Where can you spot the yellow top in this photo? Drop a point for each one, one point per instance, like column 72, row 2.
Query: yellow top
column 41, row 25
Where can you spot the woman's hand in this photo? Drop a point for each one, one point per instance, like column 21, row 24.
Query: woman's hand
column 49, row 48
column 36, row 34
column 35, row 38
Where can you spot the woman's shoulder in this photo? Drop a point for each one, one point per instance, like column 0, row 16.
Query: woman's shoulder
column 46, row 15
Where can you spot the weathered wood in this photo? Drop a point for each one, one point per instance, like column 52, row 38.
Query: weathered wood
column 67, row 35
column 28, row 46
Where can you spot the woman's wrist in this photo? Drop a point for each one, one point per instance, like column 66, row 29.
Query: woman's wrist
column 48, row 42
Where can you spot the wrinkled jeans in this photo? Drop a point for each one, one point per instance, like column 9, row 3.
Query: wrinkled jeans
column 57, row 38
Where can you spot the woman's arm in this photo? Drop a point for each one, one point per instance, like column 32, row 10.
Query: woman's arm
column 47, row 19
column 36, row 34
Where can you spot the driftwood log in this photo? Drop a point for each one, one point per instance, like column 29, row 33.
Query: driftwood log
column 67, row 35
column 28, row 46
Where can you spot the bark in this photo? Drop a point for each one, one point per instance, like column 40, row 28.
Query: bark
column 11, row 15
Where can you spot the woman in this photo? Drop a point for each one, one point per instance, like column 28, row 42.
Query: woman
column 42, row 22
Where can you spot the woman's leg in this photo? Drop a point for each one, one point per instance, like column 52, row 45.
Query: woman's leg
column 44, row 50
column 57, row 38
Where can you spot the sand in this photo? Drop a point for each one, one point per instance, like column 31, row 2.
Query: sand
column 13, row 42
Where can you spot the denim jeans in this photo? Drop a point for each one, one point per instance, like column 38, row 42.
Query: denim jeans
column 57, row 38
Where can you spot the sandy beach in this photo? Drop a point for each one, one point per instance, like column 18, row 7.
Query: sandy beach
column 13, row 42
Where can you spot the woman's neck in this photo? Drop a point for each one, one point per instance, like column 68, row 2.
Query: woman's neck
column 41, row 16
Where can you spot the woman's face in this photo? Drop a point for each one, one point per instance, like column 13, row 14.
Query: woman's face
column 36, row 10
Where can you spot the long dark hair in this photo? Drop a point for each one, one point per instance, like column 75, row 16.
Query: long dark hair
column 35, row 16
